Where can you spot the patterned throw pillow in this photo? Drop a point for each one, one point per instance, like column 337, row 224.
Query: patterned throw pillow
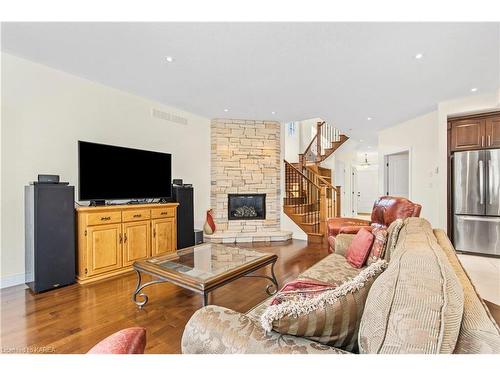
column 301, row 287
column 331, row 317
column 378, row 247
column 392, row 237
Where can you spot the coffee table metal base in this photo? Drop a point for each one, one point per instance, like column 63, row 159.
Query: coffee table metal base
column 270, row 289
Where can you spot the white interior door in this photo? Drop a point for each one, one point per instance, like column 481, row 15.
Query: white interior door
column 366, row 189
column 397, row 168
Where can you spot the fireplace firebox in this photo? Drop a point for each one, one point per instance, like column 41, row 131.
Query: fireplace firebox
column 246, row 206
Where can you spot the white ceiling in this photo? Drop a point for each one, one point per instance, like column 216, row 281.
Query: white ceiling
column 342, row 72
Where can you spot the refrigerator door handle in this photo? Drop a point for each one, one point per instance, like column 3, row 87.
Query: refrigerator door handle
column 490, row 182
column 478, row 218
column 481, row 182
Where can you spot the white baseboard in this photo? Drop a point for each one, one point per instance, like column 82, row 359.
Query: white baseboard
column 12, row 280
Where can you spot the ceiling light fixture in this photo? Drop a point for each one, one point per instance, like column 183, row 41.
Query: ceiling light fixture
column 418, row 56
column 361, row 140
column 273, row 112
column 226, row 110
column 169, row 59
column 369, row 118
column 365, row 163
column 474, row 89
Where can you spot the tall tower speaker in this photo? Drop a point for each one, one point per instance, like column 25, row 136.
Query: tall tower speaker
column 185, row 215
column 49, row 235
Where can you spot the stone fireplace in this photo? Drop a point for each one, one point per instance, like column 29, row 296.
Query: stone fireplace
column 245, row 180
column 246, row 206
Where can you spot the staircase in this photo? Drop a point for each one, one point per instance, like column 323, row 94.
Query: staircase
column 310, row 197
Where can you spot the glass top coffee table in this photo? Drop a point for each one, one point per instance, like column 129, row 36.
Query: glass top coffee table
column 203, row 268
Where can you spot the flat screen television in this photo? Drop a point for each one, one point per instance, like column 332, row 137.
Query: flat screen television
column 108, row 172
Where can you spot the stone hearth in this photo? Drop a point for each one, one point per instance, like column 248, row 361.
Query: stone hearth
column 245, row 159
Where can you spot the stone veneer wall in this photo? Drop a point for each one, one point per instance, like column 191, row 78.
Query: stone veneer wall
column 245, row 158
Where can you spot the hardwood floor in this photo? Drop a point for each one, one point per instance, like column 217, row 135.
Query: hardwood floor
column 74, row 318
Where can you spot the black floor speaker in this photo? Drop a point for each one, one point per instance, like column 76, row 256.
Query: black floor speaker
column 185, row 215
column 49, row 236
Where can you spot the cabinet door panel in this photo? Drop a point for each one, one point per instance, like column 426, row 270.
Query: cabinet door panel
column 164, row 236
column 136, row 241
column 104, row 248
column 467, row 134
column 493, row 132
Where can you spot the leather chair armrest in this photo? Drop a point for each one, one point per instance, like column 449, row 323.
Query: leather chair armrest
column 335, row 224
column 354, row 229
column 217, row 330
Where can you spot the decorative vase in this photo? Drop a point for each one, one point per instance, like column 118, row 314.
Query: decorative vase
column 209, row 227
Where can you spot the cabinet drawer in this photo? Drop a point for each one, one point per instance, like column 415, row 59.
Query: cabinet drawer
column 136, row 215
column 104, row 218
column 157, row 213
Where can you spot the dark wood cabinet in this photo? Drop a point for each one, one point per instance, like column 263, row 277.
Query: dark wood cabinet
column 475, row 133
column 467, row 134
column 492, row 132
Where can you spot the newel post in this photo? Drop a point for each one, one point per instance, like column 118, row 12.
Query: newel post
column 338, row 212
column 318, row 141
column 323, row 209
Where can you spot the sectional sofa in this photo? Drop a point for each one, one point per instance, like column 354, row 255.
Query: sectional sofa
column 424, row 302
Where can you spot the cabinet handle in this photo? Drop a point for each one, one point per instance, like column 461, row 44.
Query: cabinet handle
column 104, row 218
column 164, row 213
column 125, row 239
column 121, row 238
column 489, row 140
column 154, row 232
column 137, row 215
column 482, row 141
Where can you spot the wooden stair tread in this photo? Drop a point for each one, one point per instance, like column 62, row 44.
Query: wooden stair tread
column 314, row 234
column 307, row 213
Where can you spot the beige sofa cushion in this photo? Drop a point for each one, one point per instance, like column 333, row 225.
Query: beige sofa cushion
column 333, row 269
column 416, row 305
column 330, row 317
column 479, row 332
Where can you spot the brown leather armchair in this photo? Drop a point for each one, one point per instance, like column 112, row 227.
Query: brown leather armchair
column 386, row 209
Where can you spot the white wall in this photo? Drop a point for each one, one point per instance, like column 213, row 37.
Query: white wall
column 419, row 137
column 45, row 112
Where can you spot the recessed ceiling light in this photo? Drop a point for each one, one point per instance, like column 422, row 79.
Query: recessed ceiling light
column 169, row 59
column 369, row 146
column 369, row 118
column 361, row 140
column 273, row 112
column 474, row 89
column 226, row 110
column 418, row 56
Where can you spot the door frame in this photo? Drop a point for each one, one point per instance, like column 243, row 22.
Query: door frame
column 386, row 175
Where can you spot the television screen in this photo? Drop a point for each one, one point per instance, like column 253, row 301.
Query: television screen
column 111, row 172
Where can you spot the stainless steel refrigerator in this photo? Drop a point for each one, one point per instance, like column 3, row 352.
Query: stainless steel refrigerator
column 476, row 201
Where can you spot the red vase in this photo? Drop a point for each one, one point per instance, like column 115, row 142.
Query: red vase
column 209, row 227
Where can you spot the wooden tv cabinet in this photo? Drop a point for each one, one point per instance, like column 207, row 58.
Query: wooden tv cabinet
column 111, row 238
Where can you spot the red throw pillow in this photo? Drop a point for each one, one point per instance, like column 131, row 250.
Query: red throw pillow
column 127, row 341
column 359, row 249
column 301, row 287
